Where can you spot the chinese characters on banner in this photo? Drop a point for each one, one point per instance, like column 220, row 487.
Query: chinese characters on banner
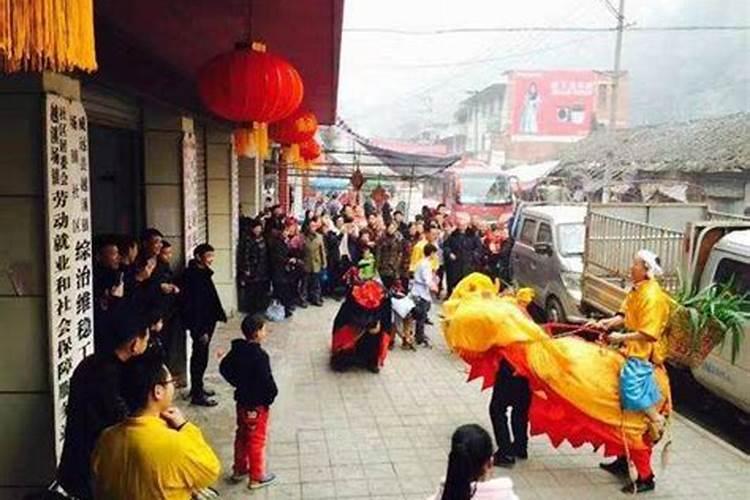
column 68, row 248
column 235, row 186
column 190, row 193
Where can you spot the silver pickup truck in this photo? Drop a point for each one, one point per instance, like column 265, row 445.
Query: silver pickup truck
column 693, row 242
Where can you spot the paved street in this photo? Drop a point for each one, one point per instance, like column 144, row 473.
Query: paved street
column 359, row 435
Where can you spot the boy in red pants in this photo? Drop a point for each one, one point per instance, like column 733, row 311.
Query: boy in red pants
column 248, row 369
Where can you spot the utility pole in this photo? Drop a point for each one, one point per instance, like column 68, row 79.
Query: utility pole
column 615, row 97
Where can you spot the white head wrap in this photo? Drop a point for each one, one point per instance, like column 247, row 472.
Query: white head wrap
column 651, row 260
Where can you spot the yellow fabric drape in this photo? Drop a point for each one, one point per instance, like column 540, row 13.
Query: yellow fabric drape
column 54, row 35
column 477, row 320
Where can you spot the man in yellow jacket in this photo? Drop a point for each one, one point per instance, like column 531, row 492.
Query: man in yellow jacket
column 155, row 454
column 431, row 235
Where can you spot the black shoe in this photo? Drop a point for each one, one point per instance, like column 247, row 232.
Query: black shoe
column 203, row 401
column 318, row 303
column 503, row 460
column 302, row 305
column 619, row 467
column 522, row 454
column 288, row 313
column 209, row 393
column 640, row 485
column 374, row 369
column 428, row 321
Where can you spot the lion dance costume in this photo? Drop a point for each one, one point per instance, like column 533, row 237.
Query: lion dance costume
column 362, row 329
column 575, row 383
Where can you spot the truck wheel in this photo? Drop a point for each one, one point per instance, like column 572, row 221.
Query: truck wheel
column 554, row 311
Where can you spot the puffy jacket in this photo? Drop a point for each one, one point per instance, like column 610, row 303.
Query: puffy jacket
column 247, row 368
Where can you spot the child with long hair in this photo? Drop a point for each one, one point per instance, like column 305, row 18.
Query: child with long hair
column 469, row 462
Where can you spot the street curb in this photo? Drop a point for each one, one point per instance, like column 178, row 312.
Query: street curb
column 713, row 437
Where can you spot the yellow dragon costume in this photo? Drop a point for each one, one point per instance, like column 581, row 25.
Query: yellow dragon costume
column 574, row 382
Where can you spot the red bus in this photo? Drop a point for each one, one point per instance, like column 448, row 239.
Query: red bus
column 477, row 189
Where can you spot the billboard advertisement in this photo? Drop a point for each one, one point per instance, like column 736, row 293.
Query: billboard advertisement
column 552, row 103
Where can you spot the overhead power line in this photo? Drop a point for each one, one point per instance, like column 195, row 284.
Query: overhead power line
column 611, row 8
column 544, row 29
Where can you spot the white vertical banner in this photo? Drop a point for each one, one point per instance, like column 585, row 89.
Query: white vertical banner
column 235, row 206
column 190, row 194
column 69, row 248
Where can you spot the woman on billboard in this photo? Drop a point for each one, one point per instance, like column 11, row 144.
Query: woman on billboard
column 529, row 114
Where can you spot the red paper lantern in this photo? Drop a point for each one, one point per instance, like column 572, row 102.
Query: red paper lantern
column 309, row 150
column 250, row 85
column 297, row 128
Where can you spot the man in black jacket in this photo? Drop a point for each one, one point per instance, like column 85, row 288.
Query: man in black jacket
column 95, row 401
column 172, row 333
column 461, row 251
column 282, row 264
column 201, row 310
column 109, row 289
column 247, row 368
column 254, row 275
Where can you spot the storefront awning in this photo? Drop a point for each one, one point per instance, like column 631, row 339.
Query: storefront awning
column 411, row 165
column 530, row 175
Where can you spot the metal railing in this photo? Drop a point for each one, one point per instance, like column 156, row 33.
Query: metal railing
column 613, row 242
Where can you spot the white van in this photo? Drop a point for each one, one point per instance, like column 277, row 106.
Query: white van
column 729, row 262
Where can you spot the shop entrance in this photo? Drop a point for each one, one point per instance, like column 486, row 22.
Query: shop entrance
column 116, row 205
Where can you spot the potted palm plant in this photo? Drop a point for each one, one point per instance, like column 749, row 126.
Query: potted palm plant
column 704, row 319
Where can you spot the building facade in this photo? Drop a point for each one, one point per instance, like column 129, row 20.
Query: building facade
column 125, row 148
column 530, row 116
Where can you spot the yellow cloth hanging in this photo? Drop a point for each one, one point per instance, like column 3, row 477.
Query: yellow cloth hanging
column 53, row 35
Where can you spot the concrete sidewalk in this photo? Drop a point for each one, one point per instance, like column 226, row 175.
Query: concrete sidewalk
column 386, row 436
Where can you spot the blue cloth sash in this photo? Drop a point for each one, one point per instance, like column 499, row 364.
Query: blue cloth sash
column 638, row 387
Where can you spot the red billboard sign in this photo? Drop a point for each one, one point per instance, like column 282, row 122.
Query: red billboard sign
column 552, row 103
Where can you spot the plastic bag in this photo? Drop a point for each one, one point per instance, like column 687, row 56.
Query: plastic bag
column 275, row 311
column 403, row 306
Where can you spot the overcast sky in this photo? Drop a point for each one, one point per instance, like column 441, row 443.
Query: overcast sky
column 389, row 81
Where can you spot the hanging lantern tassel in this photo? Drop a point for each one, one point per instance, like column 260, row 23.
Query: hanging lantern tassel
column 52, row 35
column 244, row 142
column 291, row 154
column 260, row 130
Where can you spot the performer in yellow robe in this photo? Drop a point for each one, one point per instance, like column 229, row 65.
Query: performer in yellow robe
column 644, row 315
column 575, row 383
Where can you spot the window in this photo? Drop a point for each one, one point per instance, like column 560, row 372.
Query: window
column 571, row 239
column 485, row 190
column 527, row 231
column 735, row 272
column 602, row 96
column 545, row 234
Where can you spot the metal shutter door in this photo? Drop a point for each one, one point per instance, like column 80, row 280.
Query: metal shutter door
column 200, row 143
